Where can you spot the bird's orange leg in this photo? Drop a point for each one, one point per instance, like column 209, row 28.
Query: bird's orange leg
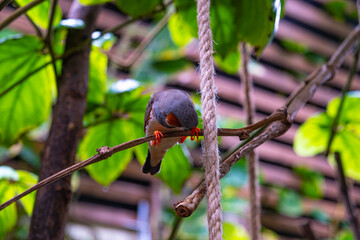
column 158, row 136
column 182, row 140
column 195, row 131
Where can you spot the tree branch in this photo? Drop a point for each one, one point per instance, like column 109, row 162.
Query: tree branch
column 106, row 152
column 252, row 157
column 4, row 3
column 18, row 12
column 295, row 102
column 344, row 194
column 335, row 122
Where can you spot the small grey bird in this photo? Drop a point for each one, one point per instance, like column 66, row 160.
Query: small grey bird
column 166, row 111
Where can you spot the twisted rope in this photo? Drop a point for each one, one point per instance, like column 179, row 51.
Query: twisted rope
column 210, row 144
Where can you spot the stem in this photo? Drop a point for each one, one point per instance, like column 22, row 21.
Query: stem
column 253, row 158
column 49, row 38
column 37, row 29
column 335, row 122
column 4, row 3
column 175, row 228
column 307, row 231
column 18, row 12
column 344, row 194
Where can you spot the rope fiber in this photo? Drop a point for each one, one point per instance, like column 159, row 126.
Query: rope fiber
column 210, row 144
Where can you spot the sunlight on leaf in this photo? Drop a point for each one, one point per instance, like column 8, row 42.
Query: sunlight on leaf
column 97, row 76
column 40, row 13
column 312, row 136
column 234, row 232
column 137, row 8
column 18, row 114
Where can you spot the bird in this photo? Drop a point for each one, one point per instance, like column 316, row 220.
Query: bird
column 167, row 110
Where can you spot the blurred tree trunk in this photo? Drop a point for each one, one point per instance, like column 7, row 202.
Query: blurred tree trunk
column 50, row 211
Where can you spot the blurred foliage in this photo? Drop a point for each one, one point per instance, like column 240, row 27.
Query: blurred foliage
column 312, row 136
column 13, row 182
column 40, row 13
column 341, row 10
column 312, row 182
column 289, row 203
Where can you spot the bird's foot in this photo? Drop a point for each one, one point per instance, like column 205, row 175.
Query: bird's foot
column 195, row 132
column 182, row 140
column 158, row 136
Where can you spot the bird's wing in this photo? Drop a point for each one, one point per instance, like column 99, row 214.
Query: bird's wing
column 147, row 111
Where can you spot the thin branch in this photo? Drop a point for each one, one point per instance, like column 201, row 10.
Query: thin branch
column 77, row 48
column 36, row 28
column 335, row 123
column 344, row 194
column 18, row 12
column 295, row 102
column 175, row 228
column 49, row 38
column 253, row 158
column 307, row 231
column 129, row 61
column 4, row 3
column 106, row 152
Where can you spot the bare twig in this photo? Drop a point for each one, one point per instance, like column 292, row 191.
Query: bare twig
column 295, row 102
column 334, row 125
column 106, row 152
column 307, row 231
column 36, row 28
column 344, row 194
column 129, row 61
column 175, row 228
column 253, row 158
column 4, row 3
column 18, row 12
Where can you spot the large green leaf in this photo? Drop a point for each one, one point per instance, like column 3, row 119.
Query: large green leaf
column 8, row 216
column 312, row 136
column 109, row 134
column 232, row 21
column 257, row 21
column 40, row 13
column 175, row 168
column 28, row 104
column 137, row 8
column 234, row 232
column 13, row 182
column 97, row 76
column 94, row 2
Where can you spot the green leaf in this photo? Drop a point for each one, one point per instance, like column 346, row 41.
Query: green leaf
column 8, row 215
column 97, row 76
column 26, row 180
column 105, row 42
column 94, row 2
column 312, row 182
column 234, row 232
column 137, row 8
column 40, row 13
column 8, row 173
column 230, row 63
column 350, row 111
column 312, row 136
column 348, row 145
column 257, row 21
column 28, row 104
column 289, row 203
column 107, row 134
column 180, row 31
column 175, row 168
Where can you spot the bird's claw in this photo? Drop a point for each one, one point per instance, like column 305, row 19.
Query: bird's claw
column 158, row 136
column 195, row 132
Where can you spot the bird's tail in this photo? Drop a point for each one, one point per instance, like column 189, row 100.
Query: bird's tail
column 147, row 168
